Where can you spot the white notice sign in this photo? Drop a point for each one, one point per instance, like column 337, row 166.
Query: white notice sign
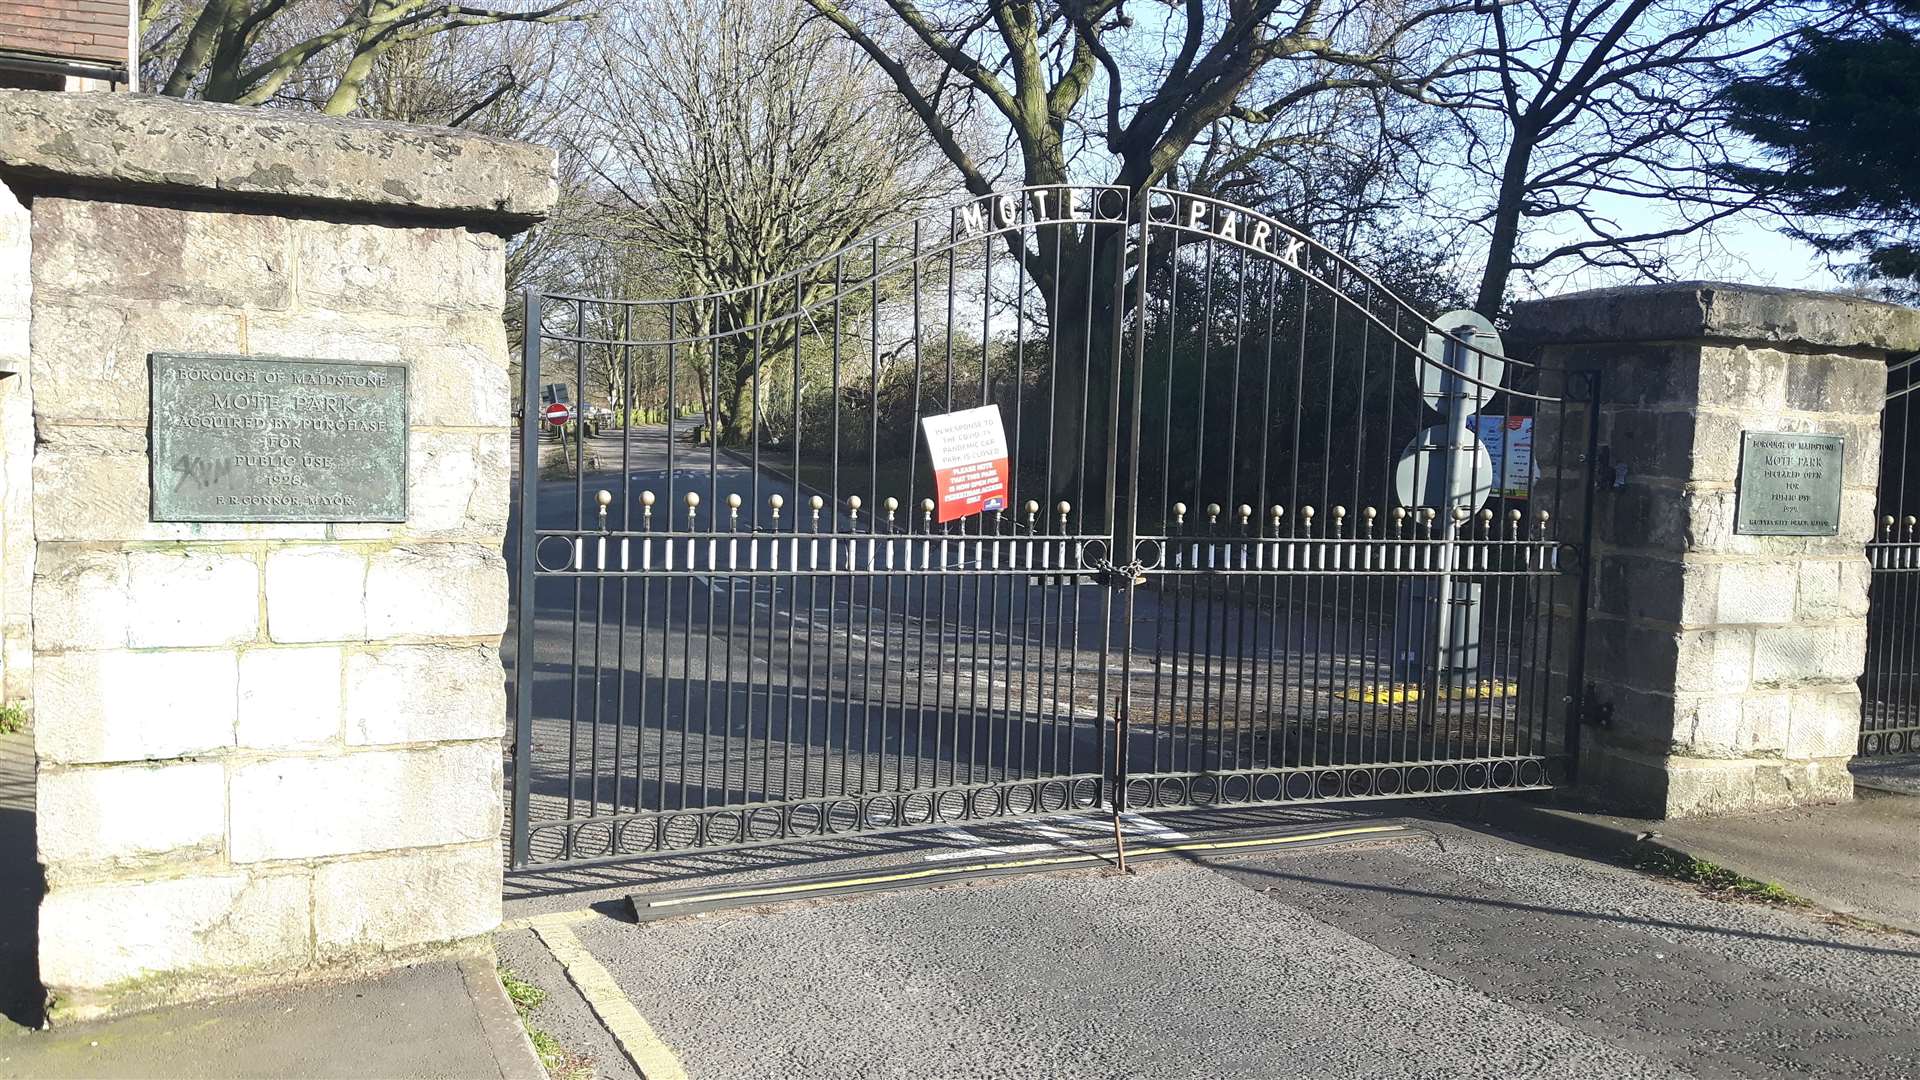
column 968, row 451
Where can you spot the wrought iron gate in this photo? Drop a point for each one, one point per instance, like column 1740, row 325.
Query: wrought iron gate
column 1890, row 699
column 738, row 623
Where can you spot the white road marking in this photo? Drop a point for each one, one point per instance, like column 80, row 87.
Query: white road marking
column 1052, row 839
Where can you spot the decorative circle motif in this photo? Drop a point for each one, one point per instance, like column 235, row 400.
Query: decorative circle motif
column 1203, row 791
column 986, row 803
column 883, row 812
column 952, row 806
column 638, row 835
column 1446, row 778
column 1169, row 792
column 1268, row 788
column 1140, row 793
column 1086, row 792
column 843, row 816
column 1871, row 746
column 1053, row 796
column 1474, row 777
column 541, row 549
column 1150, row 554
column 1419, row 780
column 1387, row 782
column 1299, row 785
column 1501, row 774
column 593, row 838
column 1359, row 783
column 805, row 820
column 1021, row 800
column 1328, row 785
column 918, row 809
column 1096, row 552
column 764, row 824
column 680, row 831
column 725, row 828
column 1236, row 789
column 1531, row 774
column 557, row 317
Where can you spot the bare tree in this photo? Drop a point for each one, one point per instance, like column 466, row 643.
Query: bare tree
column 246, row 51
column 1590, row 130
column 742, row 144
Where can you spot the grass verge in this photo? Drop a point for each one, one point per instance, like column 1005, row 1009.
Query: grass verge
column 560, row 1063
column 1711, row 878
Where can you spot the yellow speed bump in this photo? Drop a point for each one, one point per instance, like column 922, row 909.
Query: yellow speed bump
column 1403, row 694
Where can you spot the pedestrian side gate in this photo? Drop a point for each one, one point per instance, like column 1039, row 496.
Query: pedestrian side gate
column 1890, row 705
column 1255, row 544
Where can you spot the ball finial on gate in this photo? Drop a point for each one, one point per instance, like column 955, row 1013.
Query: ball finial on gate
column 776, row 500
column 733, row 500
column 646, row 498
column 604, row 498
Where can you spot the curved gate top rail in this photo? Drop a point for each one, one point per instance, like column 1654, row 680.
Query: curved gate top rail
column 1014, row 213
column 1259, row 532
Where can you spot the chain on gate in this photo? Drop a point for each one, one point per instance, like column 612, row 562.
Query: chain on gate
column 1266, row 535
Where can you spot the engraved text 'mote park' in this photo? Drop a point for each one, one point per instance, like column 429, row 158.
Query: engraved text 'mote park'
column 266, row 438
column 1789, row 484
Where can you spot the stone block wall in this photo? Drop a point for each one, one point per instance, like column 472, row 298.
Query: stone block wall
column 1723, row 668
column 266, row 750
column 16, row 455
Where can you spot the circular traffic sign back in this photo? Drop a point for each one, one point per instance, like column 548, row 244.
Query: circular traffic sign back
column 1422, row 477
column 559, row 414
column 1482, row 370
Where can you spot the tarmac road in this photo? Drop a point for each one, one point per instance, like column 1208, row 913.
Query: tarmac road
column 1458, row 954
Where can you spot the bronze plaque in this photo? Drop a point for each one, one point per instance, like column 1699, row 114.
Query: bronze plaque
column 268, row 438
column 1789, row 484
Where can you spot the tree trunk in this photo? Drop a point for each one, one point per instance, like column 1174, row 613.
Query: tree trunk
column 1506, row 225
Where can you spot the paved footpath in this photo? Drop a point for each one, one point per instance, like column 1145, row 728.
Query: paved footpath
column 1452, row 954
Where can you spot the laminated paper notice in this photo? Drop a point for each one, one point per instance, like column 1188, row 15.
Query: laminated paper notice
column 968, row 450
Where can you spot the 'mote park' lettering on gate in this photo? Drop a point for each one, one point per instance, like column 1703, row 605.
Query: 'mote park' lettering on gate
column 1189, row 213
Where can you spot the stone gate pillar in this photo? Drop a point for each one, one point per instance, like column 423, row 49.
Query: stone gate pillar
column 267, row 749
column 1723, row 651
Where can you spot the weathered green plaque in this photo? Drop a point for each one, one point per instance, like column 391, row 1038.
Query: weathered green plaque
column 1789, row 484
column 268, row 438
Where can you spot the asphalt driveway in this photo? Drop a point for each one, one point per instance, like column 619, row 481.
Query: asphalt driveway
column 1450, row 954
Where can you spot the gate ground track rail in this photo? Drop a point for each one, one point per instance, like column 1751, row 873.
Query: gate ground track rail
column 708, row 660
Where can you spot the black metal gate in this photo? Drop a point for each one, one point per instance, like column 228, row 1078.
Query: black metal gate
column 1890, row 705
column 739, row 623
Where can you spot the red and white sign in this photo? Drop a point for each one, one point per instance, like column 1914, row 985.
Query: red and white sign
column 968, row 451
column 559, row 414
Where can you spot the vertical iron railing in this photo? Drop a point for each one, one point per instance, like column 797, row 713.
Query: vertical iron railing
column 738, row 622
column 1890, row 683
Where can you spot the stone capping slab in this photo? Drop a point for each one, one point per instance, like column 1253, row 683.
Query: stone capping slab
column 1696, row 310
column 159, row 144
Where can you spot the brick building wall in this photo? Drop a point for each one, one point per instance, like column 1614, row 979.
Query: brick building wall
column 94, row 31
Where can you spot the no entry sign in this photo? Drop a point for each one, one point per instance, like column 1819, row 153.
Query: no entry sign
column 559, row 414
column 968, row 451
